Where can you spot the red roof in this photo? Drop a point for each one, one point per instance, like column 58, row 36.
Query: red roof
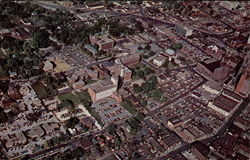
column 242, row 79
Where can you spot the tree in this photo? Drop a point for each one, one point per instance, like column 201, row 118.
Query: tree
column 148, row 47
column 78, row 152
column 128, row 106
column 139, row 48
column 140, row 116
column 3, row 116
column 150, row 84
column 111, row 128
column 144, row 102
column 176, row 46
column 72, row 122
column 137, row 88
column 140, row 74
column 138, row 25
column 40, row 38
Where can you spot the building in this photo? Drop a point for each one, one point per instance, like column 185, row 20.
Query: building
column 212, row 87
column 130, row 60
column 91, row 49
column 102, row 89
column 213, row 69
column 126, row 73
column 94, row 6
column 79, row 84
column 223, row 105
column 25, row 21
column 163, row 29
column 66, row 3
column 35, row 132
column 159, row 60
column 48, row 66
column 232, row 95
column 200, row 151
column 21, row 33
column 230, row 5
column 214, row 51
column 104, row 42
column 243, row 87
column 14, row 139
column 183, row 30
column 174, row 122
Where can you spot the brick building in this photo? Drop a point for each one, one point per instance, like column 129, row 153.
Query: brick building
column 103, row 42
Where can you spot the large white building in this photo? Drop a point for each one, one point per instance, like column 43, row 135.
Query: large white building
column 230, row 5
column 212, row 87
column 159, row 60
column 103, row 89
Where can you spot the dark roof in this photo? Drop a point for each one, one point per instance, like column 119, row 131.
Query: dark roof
column 225, row 103
column 202, row 148
column 232, row 94
column 211, row 66
column 86, row 143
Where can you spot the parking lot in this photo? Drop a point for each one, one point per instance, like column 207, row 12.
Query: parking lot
column 73, row 56
column 110, row 111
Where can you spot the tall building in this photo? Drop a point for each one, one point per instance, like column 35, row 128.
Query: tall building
column 102, row 89
column 126, row 73
column 183, row 30
column 103, row 42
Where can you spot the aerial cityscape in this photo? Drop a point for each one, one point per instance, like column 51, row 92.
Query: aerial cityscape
column 124, row 80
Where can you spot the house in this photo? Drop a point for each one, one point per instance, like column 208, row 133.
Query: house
column 94, row 6
column 159, row 60
column 86, row 144
column 163, row 29
column 66, row 3
column 50, row 127
column 35, row 132
column 14, row 139
column 214, row 51
column 51, row 104
column 21, row 33
column 183, row 30
column 26, row 21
